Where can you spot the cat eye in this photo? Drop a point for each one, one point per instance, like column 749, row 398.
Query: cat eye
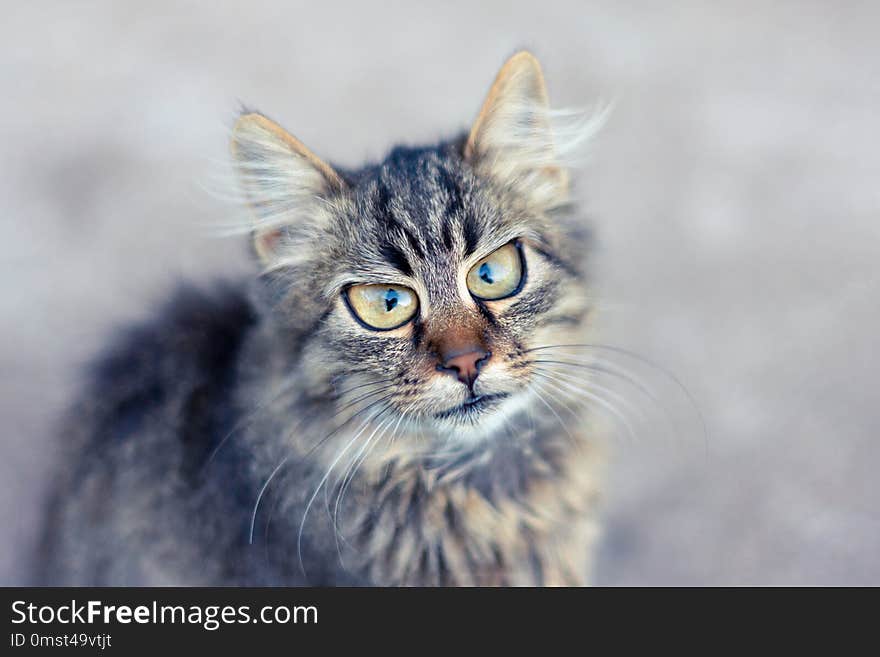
column 498, row 275
column 382, row 307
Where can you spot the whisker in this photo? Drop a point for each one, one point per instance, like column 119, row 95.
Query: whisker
column 358, row 462
column 260, row 495
column 603, row 403
column 250, row 417
column 350, row 469
column 370, row 445
column 594, row 387
column 366, row 408
column 552, row 410
column 646, row 361
column 282, row 464
column 271, row 515
column 263, row 405
column 626, row 376
column 324, row 480
column 341, row 393
column 574, row 413
column 309, row 453
column 607, row 368
column 592, row 395
column 364, row 396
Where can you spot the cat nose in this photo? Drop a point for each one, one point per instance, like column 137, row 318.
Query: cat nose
column 464, row 366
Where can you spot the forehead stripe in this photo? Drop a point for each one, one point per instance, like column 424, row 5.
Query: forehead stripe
column 413, row 241
column 396, row 258
column 471, row 233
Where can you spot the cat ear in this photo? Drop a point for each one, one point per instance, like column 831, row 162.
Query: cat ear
column 282, row 180
column 512, row 140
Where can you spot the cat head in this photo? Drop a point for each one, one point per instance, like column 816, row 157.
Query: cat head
column 417, row 286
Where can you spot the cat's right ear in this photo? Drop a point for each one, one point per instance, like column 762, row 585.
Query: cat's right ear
column 512, row 140
column 283, row 181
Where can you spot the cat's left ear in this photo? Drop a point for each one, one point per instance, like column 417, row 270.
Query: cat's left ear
column 283, row 181
column 512, row 140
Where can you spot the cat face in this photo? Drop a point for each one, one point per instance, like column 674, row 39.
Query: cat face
column 420, row 284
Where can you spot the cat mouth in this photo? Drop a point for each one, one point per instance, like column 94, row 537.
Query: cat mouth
column 472, row 407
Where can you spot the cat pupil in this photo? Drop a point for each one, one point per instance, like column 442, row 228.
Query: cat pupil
column 390, row 300
column 486, row 273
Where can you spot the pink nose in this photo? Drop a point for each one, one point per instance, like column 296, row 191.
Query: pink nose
column 465, row 367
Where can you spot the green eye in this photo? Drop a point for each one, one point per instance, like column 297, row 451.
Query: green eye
column 382, row 307
column 498, row 275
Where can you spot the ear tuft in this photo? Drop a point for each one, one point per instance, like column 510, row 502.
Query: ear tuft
column 512, row 139
column 281, row 179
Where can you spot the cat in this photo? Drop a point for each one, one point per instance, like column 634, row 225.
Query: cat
column 385, row 403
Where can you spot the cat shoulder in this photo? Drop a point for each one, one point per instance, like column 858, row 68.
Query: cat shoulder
column 188, row 347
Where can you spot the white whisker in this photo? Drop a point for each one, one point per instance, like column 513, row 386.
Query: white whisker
column 324, row 480
column 593, row 386
column 552, row 410
column 603, row 403
column 260, row 496
column 664, row 372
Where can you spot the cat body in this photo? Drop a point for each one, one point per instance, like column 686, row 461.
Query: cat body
column 372, row 409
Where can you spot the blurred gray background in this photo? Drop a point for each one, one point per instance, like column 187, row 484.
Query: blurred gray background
column 735, row 191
